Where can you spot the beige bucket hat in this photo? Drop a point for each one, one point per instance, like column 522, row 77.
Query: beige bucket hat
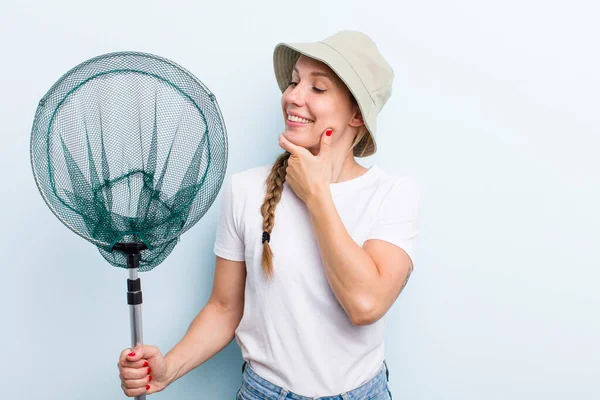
column 355, row 58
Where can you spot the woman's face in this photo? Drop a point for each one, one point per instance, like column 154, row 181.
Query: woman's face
column 316, row 100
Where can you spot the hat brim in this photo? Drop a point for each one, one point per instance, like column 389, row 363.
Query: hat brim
column 285, row 56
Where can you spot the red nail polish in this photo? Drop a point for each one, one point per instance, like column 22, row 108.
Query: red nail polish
column 131, row 354
column 149, row 378
column 145, row 364
column 147, row 387
column 328, row 132
column 148, row 370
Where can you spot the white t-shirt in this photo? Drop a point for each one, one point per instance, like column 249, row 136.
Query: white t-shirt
column 294, row 333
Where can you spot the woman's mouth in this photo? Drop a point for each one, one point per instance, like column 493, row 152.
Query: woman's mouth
column 294, row 120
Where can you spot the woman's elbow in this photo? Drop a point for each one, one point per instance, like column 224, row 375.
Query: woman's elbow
column 365, row 315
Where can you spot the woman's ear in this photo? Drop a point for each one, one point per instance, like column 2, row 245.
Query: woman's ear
column 357, row 119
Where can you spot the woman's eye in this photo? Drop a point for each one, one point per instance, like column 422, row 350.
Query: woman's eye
column 316, row 89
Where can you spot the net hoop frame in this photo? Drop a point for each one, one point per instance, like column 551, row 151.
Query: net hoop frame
column 82, row 65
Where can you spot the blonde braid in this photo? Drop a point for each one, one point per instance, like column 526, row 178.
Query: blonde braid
column 274, row 183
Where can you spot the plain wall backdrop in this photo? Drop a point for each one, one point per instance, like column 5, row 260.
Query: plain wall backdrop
column 494, row 110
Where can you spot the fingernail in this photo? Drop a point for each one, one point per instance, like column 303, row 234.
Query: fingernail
column 148, row 370
column 145, row 364
column 147, row 387
column 149, row 378
column 131, row 354
column 328, row 132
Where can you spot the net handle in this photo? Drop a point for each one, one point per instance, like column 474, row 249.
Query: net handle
column 134, row 294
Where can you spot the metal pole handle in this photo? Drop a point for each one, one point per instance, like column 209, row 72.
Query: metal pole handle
column 134, row 299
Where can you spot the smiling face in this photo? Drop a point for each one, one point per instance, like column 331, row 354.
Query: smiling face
column 316, row 100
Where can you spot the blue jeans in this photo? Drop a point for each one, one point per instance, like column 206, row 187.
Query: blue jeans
column 256, row 388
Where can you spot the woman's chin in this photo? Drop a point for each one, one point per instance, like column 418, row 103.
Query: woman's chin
column 294, row 133
column 298, row 138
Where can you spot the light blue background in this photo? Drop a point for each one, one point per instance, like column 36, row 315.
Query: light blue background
column 495, row 110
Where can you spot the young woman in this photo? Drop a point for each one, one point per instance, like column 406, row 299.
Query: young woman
column 311, row 251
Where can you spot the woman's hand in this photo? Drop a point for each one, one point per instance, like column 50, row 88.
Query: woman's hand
column 142, row 370
column 308, row 175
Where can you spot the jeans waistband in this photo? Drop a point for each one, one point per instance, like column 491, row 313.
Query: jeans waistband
column 254, row 383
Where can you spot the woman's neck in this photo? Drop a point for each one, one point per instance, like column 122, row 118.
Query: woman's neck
column 347, row 169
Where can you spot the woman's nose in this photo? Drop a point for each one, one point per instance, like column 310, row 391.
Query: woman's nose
column 295, row 95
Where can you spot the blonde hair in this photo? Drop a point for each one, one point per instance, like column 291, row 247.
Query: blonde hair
column 274, row 189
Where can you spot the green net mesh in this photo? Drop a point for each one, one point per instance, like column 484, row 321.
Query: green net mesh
column 129, row 148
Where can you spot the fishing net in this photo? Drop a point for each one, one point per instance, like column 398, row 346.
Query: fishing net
column 129, row 148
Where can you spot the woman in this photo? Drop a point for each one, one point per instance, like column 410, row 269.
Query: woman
column 311, row 251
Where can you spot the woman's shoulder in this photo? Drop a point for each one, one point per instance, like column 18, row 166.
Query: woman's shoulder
column 397, row 188
column 389, row 179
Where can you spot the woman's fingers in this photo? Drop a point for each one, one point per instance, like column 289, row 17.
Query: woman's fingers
column 133, row 364
column 133, row 392
column 134, row 373
column 136, row 383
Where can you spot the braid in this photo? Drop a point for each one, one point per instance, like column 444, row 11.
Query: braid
column 274, row 184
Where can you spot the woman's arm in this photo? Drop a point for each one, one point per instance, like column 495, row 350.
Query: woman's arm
column 214, row 326
column 364, row 288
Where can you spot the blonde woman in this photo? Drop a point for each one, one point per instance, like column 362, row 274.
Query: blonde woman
column 312, row 250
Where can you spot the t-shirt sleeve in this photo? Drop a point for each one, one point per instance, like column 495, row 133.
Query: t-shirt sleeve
column 398, row 218
column 229, row 243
